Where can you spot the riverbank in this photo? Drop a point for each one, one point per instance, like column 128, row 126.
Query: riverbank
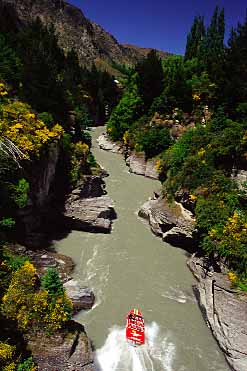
column 132, row 268
column 176, row 225
column 134, row 160
column 224, row 310
column 69, row 348
column 87, row 209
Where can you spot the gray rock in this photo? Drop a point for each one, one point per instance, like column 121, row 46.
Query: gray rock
column 224, row 311
column 106, row 144
column 90, row 186
column 67, row 349
column 240, row 176
column 138, row 165
column 134, row 160
column 90, row 214
column 151, row 171
column 174, row 224
column 82, row 297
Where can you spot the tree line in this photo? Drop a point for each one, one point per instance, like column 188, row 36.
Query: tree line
column 190, row 113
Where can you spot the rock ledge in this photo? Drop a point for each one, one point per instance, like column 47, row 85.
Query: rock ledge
column 134, row 160
column 87, row 210
column 224, row 311
column 174, row 224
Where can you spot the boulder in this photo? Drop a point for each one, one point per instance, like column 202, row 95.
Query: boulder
column 89, row 214
column 106, row 144
column 67, row 349
column 138, row 165
column 82, row 297
column 224, row 311
column 173, row 223
column 90, row 186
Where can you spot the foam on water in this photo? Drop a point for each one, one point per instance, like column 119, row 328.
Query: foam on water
column 117, row 355
column 93, row 273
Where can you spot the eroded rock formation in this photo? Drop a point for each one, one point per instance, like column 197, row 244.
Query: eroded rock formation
column 224, row 310
column 67, row 349
column 173, row 223
column 134, row 160
column 87, row 210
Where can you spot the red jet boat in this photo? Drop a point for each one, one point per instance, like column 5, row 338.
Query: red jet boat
column 135, row 330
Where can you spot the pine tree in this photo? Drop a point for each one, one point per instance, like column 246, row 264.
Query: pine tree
column 43, row 63
column 235, row 84
column 51, row 282
column 150, row 78
column 10, row 64
column 212, row 51
column 195, row 38
column 128, row 110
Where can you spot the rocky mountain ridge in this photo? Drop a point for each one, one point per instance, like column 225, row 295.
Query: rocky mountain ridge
column 91, row 42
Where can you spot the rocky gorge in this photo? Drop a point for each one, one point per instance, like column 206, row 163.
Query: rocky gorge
column 223, row 309
column 86, row 208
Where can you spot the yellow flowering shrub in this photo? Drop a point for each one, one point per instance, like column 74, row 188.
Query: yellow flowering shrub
column 233, row 277
column 196, row 97
column 201, row 152
column 159, row 165
column 31, row 307
column 18, row 296
column 212, row 233
column 235, row 227
column 58, row 313
column 24, row 129
column 7, row 355
column 6, row 352
column 126, row 138
column 81, row 150
column 3, row 90
column 192, row 197
column 230, row 240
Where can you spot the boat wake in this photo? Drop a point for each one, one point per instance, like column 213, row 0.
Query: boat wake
column 117, row 355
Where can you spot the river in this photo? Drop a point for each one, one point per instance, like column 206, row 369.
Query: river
column 132, row 268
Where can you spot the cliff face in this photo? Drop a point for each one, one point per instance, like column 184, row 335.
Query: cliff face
column 34, row 216
column 224, row 311
column 75, row 31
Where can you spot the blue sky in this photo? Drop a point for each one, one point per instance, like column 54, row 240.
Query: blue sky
column 161, row 24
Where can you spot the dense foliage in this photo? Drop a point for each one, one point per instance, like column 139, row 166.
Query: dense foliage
column 194, row 120
column 47, row 101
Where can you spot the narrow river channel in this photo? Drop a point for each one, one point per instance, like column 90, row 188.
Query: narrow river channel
column 132, row 268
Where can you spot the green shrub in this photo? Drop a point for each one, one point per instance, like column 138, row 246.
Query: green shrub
column 126, row 112
column 91, row 160
column 27, row 365
column 154, row 140
column 7, row 224
column 20, row 193
column 13, row 261
column 47, row 118
column 51, row 282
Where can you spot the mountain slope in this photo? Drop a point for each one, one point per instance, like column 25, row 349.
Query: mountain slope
column 74, row 30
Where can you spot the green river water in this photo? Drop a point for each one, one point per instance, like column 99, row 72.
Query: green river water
column 132, row 268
